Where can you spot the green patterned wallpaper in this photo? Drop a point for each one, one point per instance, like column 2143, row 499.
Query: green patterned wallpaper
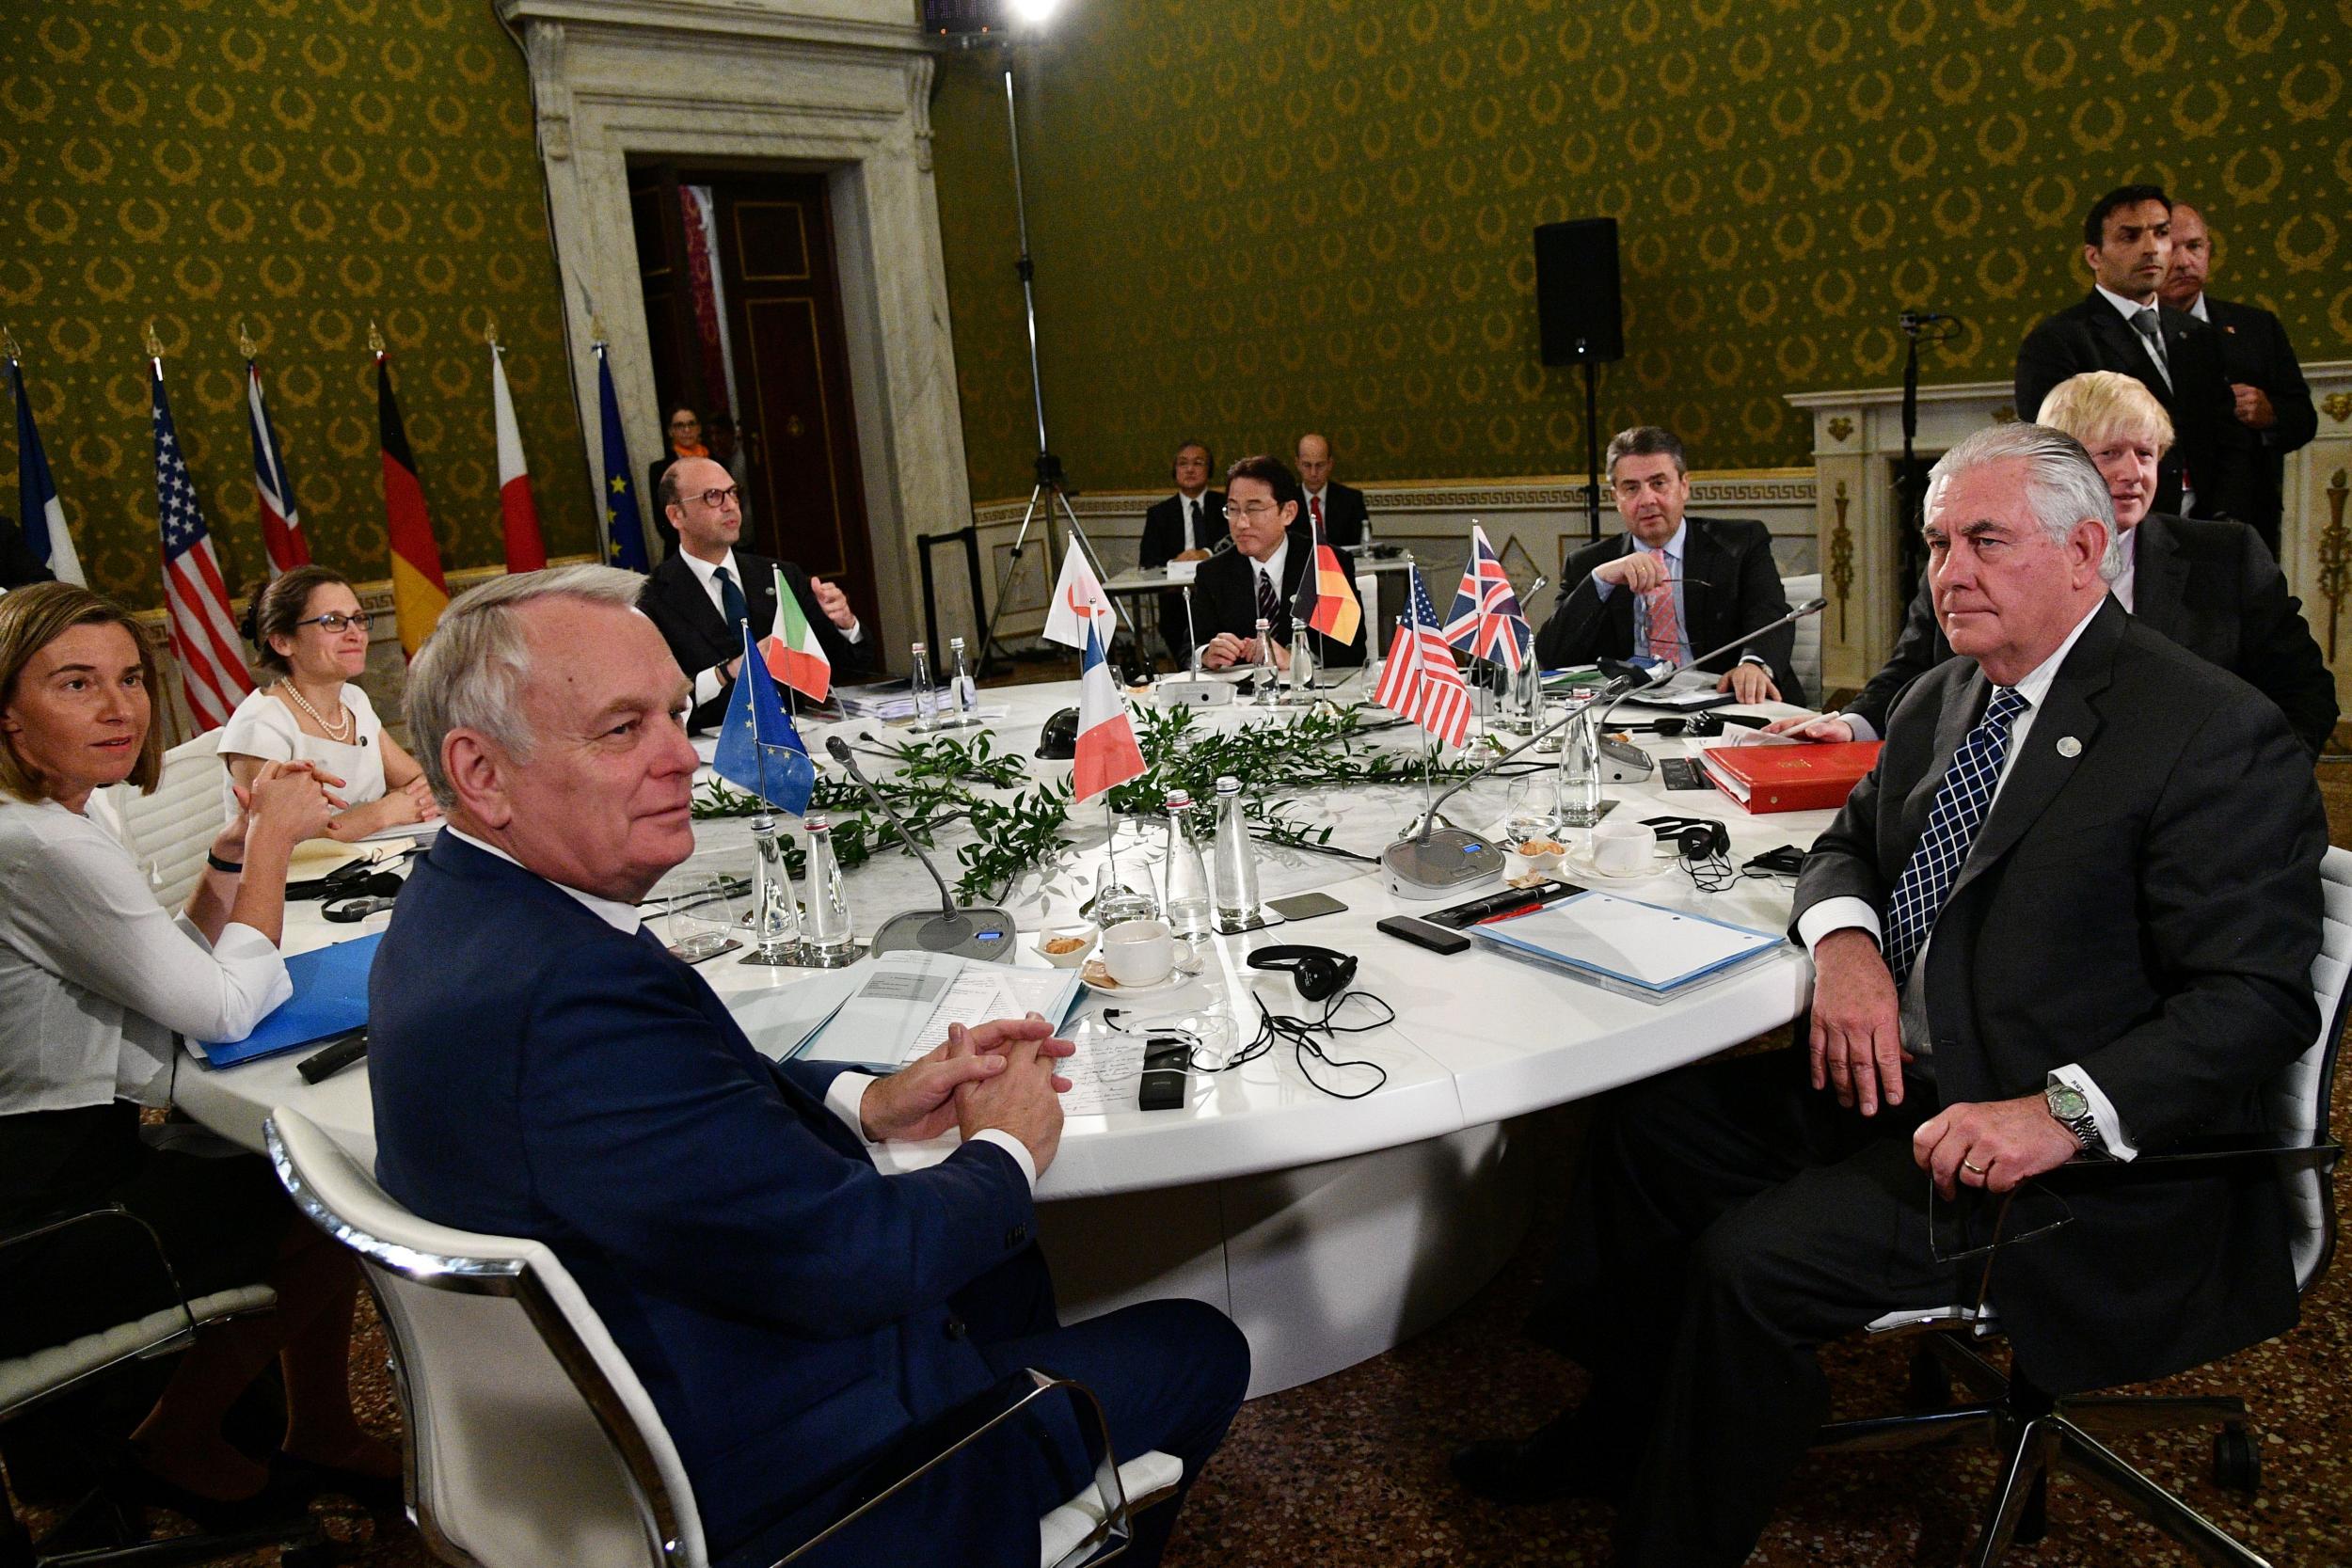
column 299, row 166
column 1251, row 218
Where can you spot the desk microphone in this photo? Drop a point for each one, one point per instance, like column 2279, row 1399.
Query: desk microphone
column 1437, row 861
column 969, row 933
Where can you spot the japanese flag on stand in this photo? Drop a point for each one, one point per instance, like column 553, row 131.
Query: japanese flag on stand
column 1108, row 754
column 791, row 651
column 1079, row 600
column 526, row 549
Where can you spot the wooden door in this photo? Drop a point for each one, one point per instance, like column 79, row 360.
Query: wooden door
column 795, row 416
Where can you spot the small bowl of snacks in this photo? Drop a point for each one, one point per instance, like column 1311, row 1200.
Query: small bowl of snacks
column 1066, row 946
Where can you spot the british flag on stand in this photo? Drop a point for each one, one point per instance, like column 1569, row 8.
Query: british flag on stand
column 1419, row 681
column 203, row 629
column 1487, row 623
column 282, row 537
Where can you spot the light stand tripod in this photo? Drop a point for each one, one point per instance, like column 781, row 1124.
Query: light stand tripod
column 1052, row 489
column 1910, row 493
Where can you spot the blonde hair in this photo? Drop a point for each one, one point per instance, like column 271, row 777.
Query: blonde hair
column 33, row 617
column 2100, row 404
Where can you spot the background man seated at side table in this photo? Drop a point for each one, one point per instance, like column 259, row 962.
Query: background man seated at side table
column 2071, row 915
column 541, row 1066
column 1672, row 587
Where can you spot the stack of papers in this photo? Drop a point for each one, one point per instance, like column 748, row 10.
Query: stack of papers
column 882, row 1012
column 1624, row 946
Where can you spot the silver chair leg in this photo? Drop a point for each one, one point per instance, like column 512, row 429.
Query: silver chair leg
column 2110, row 1417
column 1980, row 1376
column 2027, row 1463
column 2086, row 1456
column 1922, row 1430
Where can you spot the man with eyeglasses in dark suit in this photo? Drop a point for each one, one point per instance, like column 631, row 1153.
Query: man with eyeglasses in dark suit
column 697, row 596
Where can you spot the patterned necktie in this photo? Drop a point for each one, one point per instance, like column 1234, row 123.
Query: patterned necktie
column 1943, row 848
column 1269, row 604
column 1665, row 626
column 2148, row 324
column 731, row 603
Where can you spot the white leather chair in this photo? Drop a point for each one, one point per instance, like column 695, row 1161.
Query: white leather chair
column 2040, row 1436
column 171, row 830
column 529, row 1439
column 1806, row 660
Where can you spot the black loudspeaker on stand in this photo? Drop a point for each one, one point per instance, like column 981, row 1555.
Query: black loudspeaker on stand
column 1578, row 312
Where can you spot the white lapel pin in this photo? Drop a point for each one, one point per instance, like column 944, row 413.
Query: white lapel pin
column 2069, row 747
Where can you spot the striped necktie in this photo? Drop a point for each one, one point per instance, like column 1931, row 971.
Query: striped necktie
column 1665, row 624
column 1952, row 822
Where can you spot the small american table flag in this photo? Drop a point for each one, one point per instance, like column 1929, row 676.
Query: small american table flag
column 1419, row 681
column 203, row 628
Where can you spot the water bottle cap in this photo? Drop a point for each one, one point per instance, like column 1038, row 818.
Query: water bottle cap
column 1179, row 801
column 817, row 822
column 1229, row 786
column 922, row 647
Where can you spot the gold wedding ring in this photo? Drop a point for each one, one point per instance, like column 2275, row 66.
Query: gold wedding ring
column 1971, row 1165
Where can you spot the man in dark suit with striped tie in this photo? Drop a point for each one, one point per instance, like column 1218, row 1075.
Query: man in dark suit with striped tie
column 2070, row 917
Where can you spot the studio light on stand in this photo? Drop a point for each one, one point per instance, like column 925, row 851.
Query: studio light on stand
column 973, row 27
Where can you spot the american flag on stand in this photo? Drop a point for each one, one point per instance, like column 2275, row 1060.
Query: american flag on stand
column 1487, row 623
column 203, row 629
column 1419, row 681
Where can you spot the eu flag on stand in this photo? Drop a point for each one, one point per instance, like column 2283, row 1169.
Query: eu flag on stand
column 623, row 525
column 758, row 748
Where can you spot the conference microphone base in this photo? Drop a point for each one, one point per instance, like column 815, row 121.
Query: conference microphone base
column 986, row 934
column 1450, row 861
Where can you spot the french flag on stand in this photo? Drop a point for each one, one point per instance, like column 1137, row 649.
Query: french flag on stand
column 1108, row 754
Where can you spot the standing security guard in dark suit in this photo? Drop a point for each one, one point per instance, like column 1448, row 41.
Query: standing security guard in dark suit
column 1323, row 503
column 2070, row 917
column 698, row 594
column 2207, row 584
column 2127, row 242
column 2268, row 393
column 1671, row 587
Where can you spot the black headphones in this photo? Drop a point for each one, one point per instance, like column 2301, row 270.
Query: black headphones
column 1695, row 838
column 1319, row 972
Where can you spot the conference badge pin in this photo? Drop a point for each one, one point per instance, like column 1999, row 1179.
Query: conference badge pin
column 2069, row 747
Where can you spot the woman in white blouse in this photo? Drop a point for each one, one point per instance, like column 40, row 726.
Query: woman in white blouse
column 96, row 980
column 313, row 638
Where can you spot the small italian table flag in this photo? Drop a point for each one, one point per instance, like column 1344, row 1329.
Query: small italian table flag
column 792, row 652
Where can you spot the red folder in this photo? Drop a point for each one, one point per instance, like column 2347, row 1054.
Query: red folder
column 1805, row 777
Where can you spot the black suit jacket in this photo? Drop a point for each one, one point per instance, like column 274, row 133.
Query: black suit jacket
column 2091, row 335
column 699, row 636
column 1737, row 589
column 2255, row 350
column 19, row 566
column 1225, row 598
column 2208, row 585
column 1164, row 529
column 2148, row 908
column 1343, row 514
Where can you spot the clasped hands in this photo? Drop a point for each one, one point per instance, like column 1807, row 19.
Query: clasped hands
column 1856, row 1050
column 999, row 1075
column 1225, row 650
column 294, row 798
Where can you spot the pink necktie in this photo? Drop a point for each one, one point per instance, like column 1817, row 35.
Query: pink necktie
column 1666, row 628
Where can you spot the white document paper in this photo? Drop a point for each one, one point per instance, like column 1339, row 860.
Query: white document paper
column 1105, row 1073
column 899, row 1005
column 1622, row 940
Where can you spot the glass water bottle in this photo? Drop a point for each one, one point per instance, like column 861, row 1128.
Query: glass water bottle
column 1267, row 680
column 825, row 931
column 963, row 692
column 1236, row 862
column 1579, row 778
column 925, row 692
column 1184, row 877
column 775, row 915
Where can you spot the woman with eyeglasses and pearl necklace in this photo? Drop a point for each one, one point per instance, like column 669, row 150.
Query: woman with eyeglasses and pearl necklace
column 313, row 638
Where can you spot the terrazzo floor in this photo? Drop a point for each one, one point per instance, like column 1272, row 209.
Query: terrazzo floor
column 1351, row 1470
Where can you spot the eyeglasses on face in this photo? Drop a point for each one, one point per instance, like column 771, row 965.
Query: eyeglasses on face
column 334, row 621
column 1249, row 509
column 715, row 499
column 686, row 424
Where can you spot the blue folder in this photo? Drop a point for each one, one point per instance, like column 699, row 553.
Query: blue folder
column 330, row 997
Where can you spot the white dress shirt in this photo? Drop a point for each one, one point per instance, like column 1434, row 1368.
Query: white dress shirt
column 263, row 726
column 846, row 1099
column 1837, row 914
column 96, row 977
column 710, row 683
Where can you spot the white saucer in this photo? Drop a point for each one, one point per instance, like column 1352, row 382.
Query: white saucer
column 1577, row 866
column 1175, row 977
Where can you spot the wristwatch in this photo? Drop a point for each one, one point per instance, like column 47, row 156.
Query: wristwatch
column 2071, row 1108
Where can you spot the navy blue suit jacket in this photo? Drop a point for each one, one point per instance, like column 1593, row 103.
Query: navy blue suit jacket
column 537, row 1073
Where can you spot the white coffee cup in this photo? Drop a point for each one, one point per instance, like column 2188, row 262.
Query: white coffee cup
column 1622, row 848
column 1138, row 951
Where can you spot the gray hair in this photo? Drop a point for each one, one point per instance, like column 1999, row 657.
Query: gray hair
column 1644, row 440
column 2063, row 487
column 470, row 672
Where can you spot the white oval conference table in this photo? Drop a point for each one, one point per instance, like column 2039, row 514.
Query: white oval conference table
column 1330, row 1229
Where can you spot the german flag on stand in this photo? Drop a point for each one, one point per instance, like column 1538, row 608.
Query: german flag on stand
column 420, row 593
column 1327, row 598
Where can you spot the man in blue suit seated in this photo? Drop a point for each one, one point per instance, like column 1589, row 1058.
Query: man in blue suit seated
column 541, row 1066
